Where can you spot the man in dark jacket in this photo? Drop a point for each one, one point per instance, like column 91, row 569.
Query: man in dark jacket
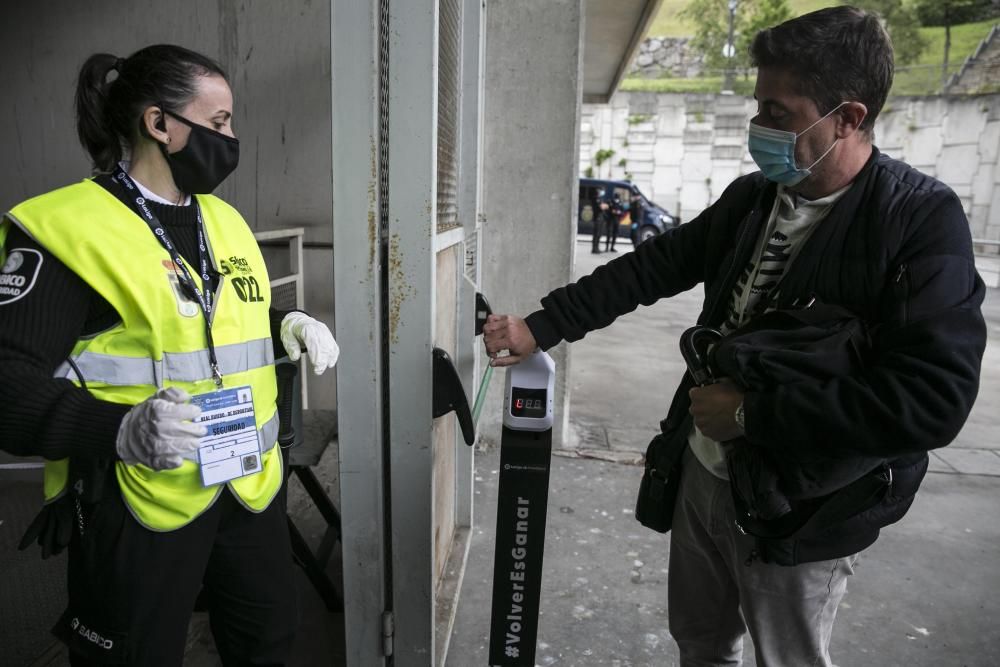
column 612, row 220
column 829, row 217
column 637, row 214
column 600, row 208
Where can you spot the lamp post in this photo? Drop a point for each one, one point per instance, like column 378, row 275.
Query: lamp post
column 729, row 50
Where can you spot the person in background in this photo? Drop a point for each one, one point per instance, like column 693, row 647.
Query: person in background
column 136, row 310
column 637, row 213
column 827, row 217
column 612, row 219
column 600, row 208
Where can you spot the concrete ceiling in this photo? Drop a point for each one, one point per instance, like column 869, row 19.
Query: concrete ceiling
column 613, row 31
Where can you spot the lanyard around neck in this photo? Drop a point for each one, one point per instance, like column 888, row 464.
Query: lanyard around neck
column 187, row 282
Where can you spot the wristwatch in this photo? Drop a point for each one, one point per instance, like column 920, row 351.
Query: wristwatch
column 740, row 419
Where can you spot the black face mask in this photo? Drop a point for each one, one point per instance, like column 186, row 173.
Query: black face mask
column 205, row 161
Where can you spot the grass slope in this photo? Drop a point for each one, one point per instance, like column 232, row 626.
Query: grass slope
column 924, row 77
column 667, row 24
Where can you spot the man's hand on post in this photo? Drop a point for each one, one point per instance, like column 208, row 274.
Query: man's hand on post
column 510, row 333
column 714, row 410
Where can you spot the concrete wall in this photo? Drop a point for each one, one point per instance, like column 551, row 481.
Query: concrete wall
column 532, row 94
column 282, row 96
column 682, row 150
column 956, row 139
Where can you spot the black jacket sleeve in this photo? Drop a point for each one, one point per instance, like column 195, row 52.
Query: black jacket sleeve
column 39, row 414
column 669, row 264
column 659, row 268
column 920, row 386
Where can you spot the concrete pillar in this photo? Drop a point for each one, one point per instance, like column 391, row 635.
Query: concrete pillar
column 531, row 119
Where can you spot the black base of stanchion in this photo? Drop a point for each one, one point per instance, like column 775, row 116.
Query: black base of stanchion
column 520, row 540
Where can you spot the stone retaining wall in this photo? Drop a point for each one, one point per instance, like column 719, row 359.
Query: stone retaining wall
column 683, row 150
column 666, row 56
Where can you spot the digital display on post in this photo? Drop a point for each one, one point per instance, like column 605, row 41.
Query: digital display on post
column 528, row 402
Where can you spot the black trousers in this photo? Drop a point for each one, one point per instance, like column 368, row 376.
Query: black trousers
column 132, row 590
column 611, row 230
column 600, row 226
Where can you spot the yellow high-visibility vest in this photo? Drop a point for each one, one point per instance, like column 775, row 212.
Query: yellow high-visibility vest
column 161, row 340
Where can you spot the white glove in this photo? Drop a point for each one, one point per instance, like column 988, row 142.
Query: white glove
column 298, row 330
column 157, row 432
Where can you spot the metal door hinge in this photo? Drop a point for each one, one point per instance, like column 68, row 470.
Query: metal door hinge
column 388, row 631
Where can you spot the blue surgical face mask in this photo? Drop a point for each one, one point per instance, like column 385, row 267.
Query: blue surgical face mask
column 774, row 152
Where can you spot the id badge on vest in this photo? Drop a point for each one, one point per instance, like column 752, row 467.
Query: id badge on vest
column 230, row 447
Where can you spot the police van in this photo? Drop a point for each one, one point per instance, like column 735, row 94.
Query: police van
column 655, row 219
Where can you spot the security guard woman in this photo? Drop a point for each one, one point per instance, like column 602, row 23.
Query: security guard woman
column 137, row 353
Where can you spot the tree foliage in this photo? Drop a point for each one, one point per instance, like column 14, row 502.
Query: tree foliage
column 711, row 18
column 945, row 13
column 901, row 18
column 903, row 25
column 763, row 14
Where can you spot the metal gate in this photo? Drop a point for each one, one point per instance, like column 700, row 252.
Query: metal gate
column 406, row 88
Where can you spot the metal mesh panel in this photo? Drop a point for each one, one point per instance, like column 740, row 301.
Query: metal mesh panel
column 449, row 52
column 383, row 119
column 383, row 260
column 283, row 297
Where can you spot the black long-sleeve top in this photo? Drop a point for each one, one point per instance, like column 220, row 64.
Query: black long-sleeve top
column 52, row 417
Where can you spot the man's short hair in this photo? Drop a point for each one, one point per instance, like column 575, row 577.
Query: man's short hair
column 837, row 54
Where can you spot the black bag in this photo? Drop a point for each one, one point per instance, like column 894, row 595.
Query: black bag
column 816, row 497
column 818, row 342
column 654, row 508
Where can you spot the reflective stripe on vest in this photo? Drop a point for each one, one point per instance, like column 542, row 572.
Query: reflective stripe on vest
column 161, row 341
column 174, row 367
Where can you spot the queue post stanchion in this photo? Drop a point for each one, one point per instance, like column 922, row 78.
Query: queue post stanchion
column 525, row 456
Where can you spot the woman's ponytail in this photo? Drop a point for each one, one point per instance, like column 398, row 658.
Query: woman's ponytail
column 94, row 124
column 109, row 113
